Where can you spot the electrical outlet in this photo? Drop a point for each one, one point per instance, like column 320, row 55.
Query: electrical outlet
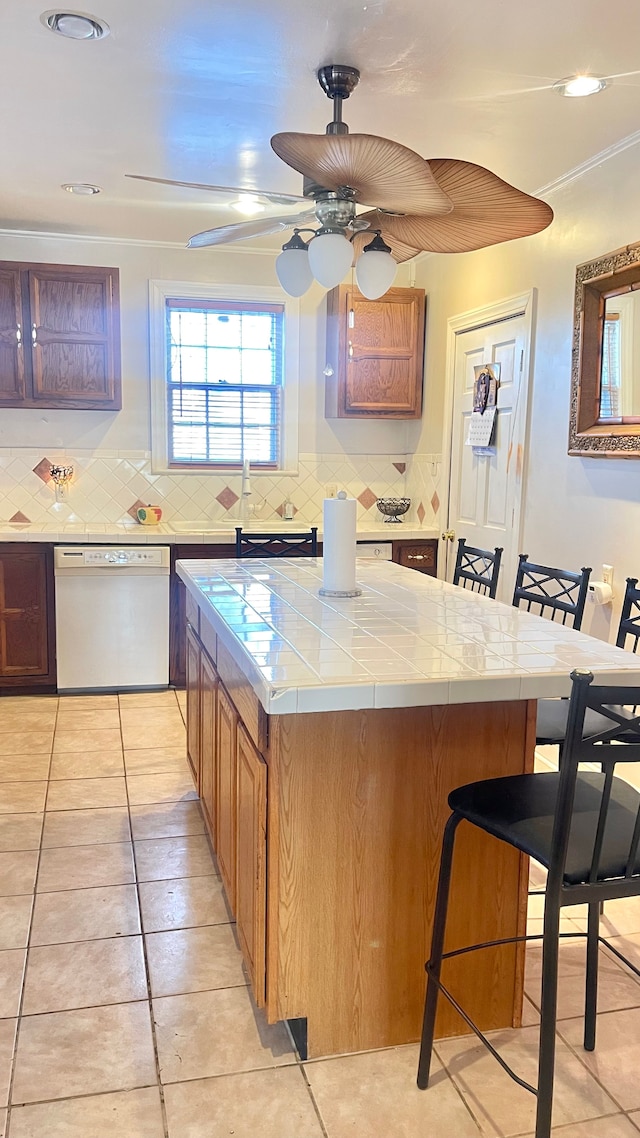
column 607, row 574
column 331, row 490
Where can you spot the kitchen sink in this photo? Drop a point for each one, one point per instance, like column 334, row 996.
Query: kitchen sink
column 202, row 526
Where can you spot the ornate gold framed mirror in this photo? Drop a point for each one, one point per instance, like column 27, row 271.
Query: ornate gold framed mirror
column 605, row 367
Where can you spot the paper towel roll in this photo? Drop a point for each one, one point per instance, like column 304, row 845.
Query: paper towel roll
column 339, row 547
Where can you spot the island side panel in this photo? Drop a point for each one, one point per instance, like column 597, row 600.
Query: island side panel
column 357, row 806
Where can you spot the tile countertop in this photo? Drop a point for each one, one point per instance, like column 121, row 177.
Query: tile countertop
column 217, row 533
column 409, row 640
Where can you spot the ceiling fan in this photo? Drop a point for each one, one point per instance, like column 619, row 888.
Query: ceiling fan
column 440, row 205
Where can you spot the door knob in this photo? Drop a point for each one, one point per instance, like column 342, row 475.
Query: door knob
column 449, row 535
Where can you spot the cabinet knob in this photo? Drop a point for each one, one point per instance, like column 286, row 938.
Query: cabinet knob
column 415, row 557
column 350, row 350
column 19, row 335
column 34, row 334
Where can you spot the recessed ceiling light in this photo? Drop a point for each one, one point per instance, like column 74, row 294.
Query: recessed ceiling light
column 83, row 189
column 75, row 25
column 577, row 86
column 247, row 205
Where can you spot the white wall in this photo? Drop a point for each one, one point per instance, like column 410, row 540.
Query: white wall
column 129, row 428
column 579, row 511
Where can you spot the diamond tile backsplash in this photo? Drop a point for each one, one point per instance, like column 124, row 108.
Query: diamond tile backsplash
column 109, row 485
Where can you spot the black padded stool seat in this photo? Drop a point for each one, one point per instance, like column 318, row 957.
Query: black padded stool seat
column 520, row 810
column 551, row 721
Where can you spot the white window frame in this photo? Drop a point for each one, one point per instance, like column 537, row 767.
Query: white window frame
column 159, row 293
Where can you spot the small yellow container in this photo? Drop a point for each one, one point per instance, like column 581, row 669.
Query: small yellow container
column 149, row 515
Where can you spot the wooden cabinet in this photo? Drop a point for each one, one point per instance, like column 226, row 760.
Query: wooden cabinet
column 59, row 336
column 251, row 858
column 226, row 738
column 194, row 658
column 231, row 776
column 27, row 624
column 177, row 604
column 208, row 720
column 375, row 349
column 420, row 555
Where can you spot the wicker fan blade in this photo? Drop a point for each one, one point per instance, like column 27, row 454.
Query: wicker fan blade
column 486, row 211
column 399, row 251
column 382, row 173
column 275, row 199
column 224, row 234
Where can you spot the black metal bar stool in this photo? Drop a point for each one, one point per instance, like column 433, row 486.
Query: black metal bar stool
column 554, row 592
column 253, row 544
column 551, row 723
column 585, row 828
column 477, row 569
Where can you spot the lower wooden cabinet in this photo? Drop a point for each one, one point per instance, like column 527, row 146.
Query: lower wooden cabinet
column 194, row 656
column 231, row 778
column 27, row 623
column 226, row 740
column 251, row 859
column 208, row 754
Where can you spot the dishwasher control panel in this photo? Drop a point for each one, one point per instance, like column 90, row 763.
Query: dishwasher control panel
column 107, row 557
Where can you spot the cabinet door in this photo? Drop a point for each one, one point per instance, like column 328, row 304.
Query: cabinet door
column 208, row 764
column 74, row 336
column 193, row 705
column 251, row 839
column 226, row 797
column 376, row 348
column 12, row 362
column 24, row 619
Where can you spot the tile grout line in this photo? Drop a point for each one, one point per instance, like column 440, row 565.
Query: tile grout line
column 26, row 956
column 156, row 1056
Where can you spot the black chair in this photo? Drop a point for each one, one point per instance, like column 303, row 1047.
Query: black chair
column 277, row 544
column 480, row 568
column 554, row 592
column 551, row 723
column 585, row 828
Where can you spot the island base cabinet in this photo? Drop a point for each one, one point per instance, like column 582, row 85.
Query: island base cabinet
column 357, row 808
column 251, row 859
column 226, row 736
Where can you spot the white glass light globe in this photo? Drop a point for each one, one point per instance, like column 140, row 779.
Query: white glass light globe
column 330, row 258
column 294, row 271
column 375, row 273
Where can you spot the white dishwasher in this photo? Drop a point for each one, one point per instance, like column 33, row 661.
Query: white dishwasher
column 112, row 617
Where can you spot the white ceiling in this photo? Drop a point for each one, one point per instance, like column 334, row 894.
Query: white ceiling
column 193, row 89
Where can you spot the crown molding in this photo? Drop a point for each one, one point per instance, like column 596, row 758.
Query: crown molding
column 590, row 163
column 137, row 242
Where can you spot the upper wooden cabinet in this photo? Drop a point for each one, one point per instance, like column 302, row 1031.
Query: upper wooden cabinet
column 59, row 336
column 376, row 351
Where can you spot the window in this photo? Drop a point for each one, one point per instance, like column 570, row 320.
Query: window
column 224, row 378
column 611, row 368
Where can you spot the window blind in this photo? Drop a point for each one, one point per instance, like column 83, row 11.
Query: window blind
column 225, row 364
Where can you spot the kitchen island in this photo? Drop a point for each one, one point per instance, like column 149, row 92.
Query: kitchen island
column 325, row 735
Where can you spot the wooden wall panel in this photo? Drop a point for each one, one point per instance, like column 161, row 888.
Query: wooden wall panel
column 357, row 805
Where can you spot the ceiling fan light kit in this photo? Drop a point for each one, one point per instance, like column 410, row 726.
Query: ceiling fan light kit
column 440, row 205
column 292, row 266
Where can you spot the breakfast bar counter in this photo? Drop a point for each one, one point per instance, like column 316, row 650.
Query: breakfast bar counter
column 325, row 735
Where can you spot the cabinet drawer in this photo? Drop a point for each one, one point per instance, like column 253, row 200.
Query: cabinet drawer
column 421, row 555
column 245, row 699
column 193, row 613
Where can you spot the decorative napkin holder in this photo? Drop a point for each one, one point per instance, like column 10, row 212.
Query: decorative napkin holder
column 339, row 547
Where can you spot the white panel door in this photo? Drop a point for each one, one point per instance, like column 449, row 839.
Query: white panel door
column 484, row 490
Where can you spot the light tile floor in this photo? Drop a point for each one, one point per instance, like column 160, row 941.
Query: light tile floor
column 124, row 1009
